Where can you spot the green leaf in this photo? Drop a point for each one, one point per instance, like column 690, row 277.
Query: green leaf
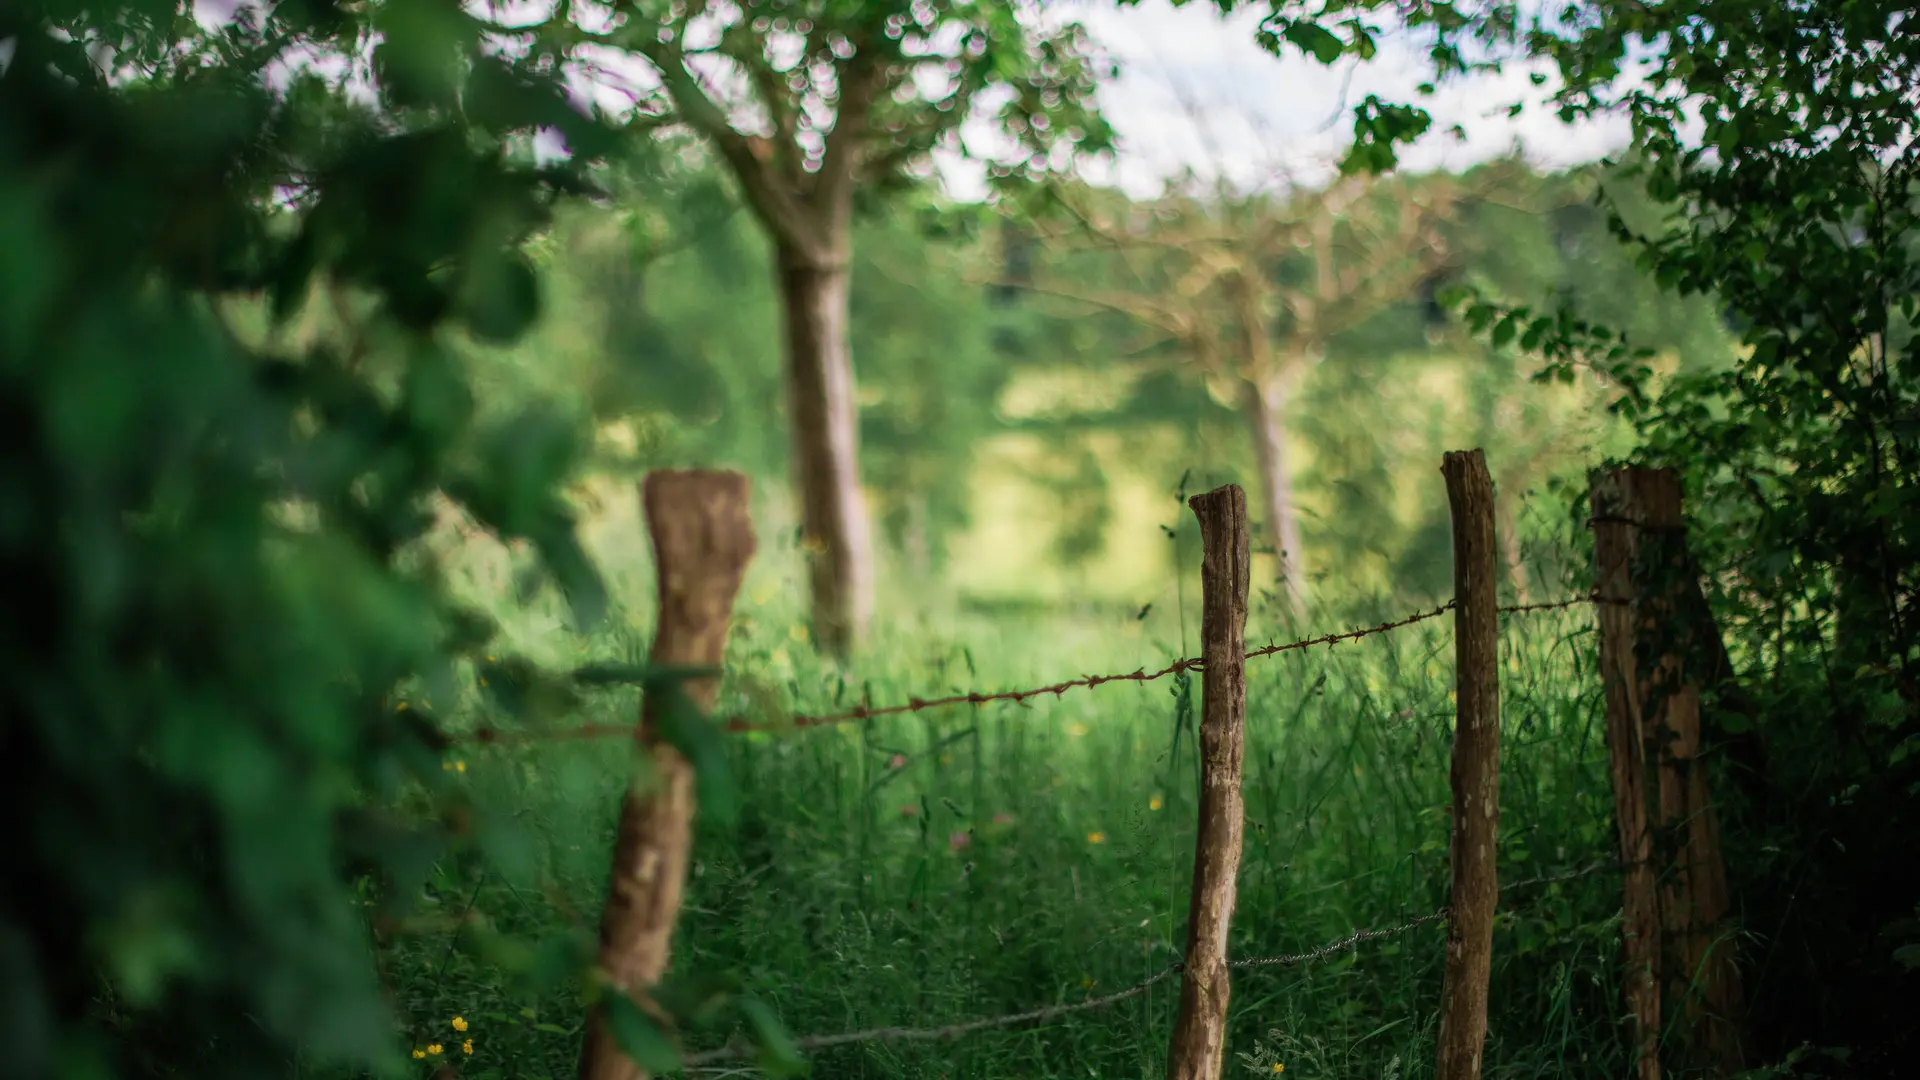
column 778, row 1054
column 638, row 1036
column 698, row 740
column 573, row 570
column 500, row 297
column 1314, row 40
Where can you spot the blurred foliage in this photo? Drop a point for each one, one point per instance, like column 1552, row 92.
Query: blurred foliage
column 216, row 595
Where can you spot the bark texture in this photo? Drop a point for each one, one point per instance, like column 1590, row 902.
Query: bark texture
column 1657, row 643
column 702, row 542
column 1476, row 768
column 1265, row 407
column 1694, row 901
column 1614, row 546
column 1199, row 1042
column 824, row 424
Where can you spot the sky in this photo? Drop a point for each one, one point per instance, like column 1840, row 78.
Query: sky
column 1266, row 113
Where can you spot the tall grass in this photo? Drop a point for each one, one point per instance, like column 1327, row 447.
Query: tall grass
column 965, row 862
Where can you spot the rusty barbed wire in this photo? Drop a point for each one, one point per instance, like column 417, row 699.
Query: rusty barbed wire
column 738, row 1050
column 1556, row 605
column 494, row 736
column 1331, row 640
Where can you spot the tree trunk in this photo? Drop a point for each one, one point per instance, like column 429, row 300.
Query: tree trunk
column 824, row 422
column 1265, row 402
column 1511, row 552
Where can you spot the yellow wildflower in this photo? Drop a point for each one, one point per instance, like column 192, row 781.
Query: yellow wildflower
column 418, row 1053
column 459, row 766
column 434, row 1049
column 402, row 707
column 467, row 1047
column 1279, row 1068
column 1155, row 803
column 1096, row 838
column 459, row 1023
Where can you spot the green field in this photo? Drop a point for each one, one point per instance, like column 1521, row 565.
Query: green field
column 960, row 863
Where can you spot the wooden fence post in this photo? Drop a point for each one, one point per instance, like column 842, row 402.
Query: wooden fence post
column 1654, row 716
column 1199, row 1041
column 1613, row 554
column 1476, row 768
column 702, row 541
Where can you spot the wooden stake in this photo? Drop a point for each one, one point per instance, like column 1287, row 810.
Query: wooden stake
column 702, row 541
column 1613, row 555
column 1660, row 722
column 1200, row 1030
column 1476, row 768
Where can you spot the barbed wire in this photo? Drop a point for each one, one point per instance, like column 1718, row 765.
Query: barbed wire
column 1331, row 640
column 1351, row 941
column 494, row 736
column 737, row 1050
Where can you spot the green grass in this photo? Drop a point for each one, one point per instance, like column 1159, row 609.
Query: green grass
column 960, row 863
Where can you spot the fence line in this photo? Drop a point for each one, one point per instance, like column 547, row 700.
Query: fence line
column 495, row 737
column 736, row 1050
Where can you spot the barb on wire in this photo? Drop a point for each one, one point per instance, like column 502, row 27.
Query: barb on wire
column 1352, row 635
column 1351, row 941
column 1556, row 605
column 1018, row 697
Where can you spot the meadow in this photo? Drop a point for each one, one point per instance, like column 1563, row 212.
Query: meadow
column 934, row 868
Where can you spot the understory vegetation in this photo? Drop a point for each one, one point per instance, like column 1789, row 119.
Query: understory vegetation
column 335, row 337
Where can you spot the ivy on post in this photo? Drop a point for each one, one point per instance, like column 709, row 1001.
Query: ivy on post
column 1613, row 553
column 1199, row 1040
column 702, row 541
column 1476, row 768
column 1652, row 658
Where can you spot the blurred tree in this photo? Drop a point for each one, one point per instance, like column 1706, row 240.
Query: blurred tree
column 813, row 106
column 1251, row 287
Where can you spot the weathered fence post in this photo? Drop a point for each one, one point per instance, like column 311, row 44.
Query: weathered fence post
column 1476, row 768
column 1200, row 1030
column 702, row 541
column 1613, row 552
column 1654, row 715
